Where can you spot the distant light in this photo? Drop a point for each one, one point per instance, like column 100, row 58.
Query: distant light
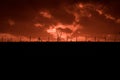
column 81, row 5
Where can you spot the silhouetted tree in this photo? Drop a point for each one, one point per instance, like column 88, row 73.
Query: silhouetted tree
column 67, row 37
column 39, row 39
column 59, row 34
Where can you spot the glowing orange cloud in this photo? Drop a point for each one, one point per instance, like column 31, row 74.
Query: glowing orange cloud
column 99, row 11
column 109, row 17
column 84, row 11
column 81, row 10
column 53, row 30
column 46, row 14
column 81, row 5
column 38, row 25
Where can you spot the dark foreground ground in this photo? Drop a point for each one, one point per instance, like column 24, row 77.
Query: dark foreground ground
column 59, row 48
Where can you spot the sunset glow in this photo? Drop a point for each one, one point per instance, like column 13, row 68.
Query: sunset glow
column 60, row 20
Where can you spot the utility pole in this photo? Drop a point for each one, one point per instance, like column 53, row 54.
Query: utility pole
column 30, row 38
column 95, row 39
column 76, row 39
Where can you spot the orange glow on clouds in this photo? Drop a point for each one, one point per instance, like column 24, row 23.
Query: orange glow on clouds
column 109, row 17
column 53, row 30
column 74, row 21
column 38, row 25
column 81, row 5
column 99, row 11
column 46, row 14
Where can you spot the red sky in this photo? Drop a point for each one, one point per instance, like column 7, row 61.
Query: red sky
column 50, row 18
